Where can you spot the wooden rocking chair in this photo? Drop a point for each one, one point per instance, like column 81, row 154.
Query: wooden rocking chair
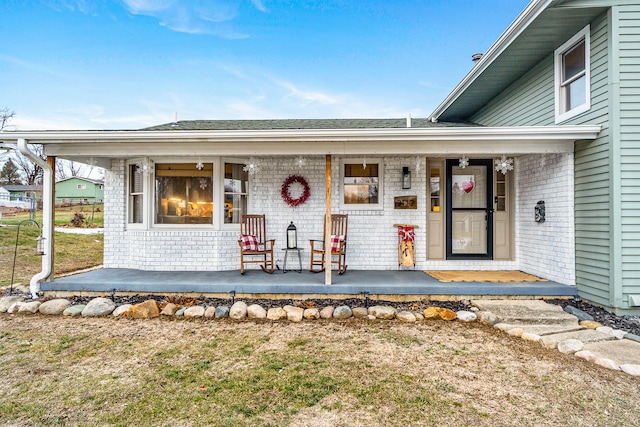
column 338, row 246
column 254, row 244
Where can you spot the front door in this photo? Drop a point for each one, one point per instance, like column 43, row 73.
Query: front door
column 470, row 210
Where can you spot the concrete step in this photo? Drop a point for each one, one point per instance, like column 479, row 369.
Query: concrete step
column 622, row 352
column 529, row 312
column 540, row 330
column 586, row 336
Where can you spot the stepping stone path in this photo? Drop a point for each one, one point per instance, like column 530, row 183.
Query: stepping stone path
column 571, row 332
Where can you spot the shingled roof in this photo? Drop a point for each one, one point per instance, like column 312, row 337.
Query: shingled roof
column 298, row 124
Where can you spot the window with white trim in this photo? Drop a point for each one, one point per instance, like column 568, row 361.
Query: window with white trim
column 236, row 183
column 361, row 184
column 183, row 193
column 572, row 76
column 136, row 195
column 81, row 186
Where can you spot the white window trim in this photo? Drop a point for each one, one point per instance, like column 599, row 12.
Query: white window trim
column 145, row 193
column 150, row 203
column 585, row 34
column 148, row 194
column 220, row 197
column 360, row 207
column 81, row 186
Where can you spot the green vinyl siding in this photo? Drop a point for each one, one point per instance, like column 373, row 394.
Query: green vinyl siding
column 68, row 190
column 530, row 102
column 592, row 179
column 628, row 18
column 527, row 102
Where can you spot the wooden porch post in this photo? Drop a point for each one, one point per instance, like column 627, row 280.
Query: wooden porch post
column 51, row 160
column 327, row 222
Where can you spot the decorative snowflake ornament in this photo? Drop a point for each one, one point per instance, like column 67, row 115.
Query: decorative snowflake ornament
column 203, row 183
column 252, row 167
column 301, row 162
column 144, row 168
column 199, row 165
column 503, row 164
column 463, row 162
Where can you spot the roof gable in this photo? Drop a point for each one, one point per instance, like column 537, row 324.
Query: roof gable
column 535, row 34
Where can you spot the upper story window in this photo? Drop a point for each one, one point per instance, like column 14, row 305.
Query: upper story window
column 572, row 76
column 184, row 193
column 81, row 186
column 361, row 184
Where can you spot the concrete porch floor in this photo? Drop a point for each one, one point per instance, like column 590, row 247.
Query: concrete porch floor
column 390, row 285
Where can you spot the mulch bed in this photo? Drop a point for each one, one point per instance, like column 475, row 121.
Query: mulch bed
column 626, row 323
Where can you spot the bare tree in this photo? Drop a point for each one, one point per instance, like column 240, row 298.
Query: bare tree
column 31, row 171
column 5, row 115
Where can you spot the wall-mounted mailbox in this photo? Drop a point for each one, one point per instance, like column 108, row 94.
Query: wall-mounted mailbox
column 540, row 211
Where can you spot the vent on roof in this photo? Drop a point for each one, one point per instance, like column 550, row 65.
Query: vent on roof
column 476, row 57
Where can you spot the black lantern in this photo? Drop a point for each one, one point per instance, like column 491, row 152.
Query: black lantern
column 406, row 178
column 292, row 236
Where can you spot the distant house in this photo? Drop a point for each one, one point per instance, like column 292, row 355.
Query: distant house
column 22, row 192
column 20, row 196
column 79, row 190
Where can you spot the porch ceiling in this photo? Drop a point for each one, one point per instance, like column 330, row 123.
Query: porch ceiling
column 476, row 140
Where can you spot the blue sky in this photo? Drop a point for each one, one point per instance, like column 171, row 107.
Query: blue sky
column 96, row 64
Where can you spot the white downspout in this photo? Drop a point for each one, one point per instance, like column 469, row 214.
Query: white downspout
column 47, row 226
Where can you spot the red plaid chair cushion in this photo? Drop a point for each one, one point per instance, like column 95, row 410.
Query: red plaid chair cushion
column 335, row 242
column 249, row 242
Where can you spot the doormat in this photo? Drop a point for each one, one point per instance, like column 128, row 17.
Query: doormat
column 501, row 276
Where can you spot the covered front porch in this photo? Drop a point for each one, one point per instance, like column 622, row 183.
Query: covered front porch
column 383, row 285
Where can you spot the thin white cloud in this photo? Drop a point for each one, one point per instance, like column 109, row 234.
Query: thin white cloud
column 259, row 5
column 308, row 96
column 194, row 16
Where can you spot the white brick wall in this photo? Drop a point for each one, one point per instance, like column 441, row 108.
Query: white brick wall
column 372, row 239
column 544, row 249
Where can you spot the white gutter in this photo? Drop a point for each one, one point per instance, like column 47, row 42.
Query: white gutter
column 47, row 226
column 526, row 17
column 414, row 134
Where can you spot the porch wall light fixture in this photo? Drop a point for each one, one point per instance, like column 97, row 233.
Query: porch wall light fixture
column 406, row 178
column 503, row 164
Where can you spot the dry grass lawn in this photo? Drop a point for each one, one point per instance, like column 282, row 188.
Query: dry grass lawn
column 106, row 371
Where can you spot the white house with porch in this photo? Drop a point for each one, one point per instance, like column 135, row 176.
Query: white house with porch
column 529, row 164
